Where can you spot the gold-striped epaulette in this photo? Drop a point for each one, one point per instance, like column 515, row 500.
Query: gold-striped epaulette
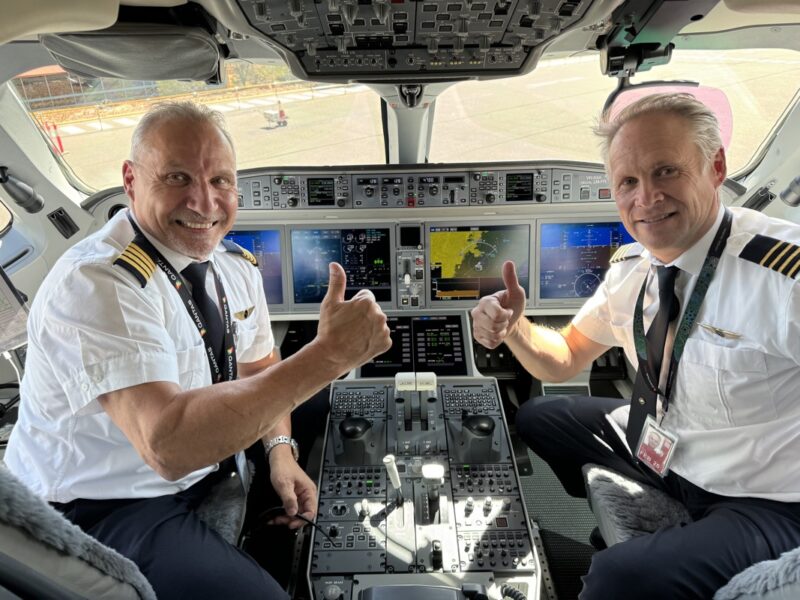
column 625, row 252
column 237, row 249
column 780, row 256
column 136, row 261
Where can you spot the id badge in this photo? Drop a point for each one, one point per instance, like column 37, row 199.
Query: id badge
column 656, row 446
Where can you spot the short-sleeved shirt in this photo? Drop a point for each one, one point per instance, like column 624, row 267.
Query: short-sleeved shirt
column 94, row 329
column 736, row 400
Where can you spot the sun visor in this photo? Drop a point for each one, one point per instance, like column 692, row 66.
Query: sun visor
column 140, row 51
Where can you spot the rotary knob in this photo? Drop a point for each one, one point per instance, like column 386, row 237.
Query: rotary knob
column 292, row 201
column 333, row 592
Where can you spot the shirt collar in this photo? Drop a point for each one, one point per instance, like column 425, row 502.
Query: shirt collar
column 178, row 261
column 692, row 259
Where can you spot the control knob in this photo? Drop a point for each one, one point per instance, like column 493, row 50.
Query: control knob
column 293, row 201
column 434, row 189
column 487, row 505
column 490, row 198
column 340, row 202
column 369, row 192
column 333, row 592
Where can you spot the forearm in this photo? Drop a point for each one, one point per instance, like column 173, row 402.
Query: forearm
column 282, row 428
column 543, row 352
column 202, row 426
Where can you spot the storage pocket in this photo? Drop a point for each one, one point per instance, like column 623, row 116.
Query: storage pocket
column 734, row 378
column 193, row 367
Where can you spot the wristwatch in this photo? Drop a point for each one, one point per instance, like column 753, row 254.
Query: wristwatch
column 283, row 439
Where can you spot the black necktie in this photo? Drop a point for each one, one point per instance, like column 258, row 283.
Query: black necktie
column 195, row 274
column 645, row 399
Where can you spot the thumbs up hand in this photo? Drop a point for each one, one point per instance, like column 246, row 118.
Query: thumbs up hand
column 495, row 316
column 354, row 331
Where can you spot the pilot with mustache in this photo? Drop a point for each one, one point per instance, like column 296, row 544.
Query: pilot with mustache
column 720, row 382
column 151, row 366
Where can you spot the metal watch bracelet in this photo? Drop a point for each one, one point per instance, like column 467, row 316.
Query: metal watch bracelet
column 283, row 439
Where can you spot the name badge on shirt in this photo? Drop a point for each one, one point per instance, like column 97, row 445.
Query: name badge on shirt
column 656, row 446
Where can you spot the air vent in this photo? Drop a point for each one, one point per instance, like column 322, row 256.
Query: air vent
column 63, row 222
column 550, row 389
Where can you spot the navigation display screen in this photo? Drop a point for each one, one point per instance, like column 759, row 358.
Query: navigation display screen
column 573, row 257
column 266, row 247
column 466, row 261
column 364, row 253
column 424, row 343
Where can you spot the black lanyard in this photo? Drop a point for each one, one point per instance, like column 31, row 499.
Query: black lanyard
column 689, row 314
column 228, row 371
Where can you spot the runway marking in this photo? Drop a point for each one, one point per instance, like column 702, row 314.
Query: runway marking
column 71, row 129
column 98, row 125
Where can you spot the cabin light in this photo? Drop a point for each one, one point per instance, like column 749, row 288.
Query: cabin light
column 489, row 213
column 20, row 192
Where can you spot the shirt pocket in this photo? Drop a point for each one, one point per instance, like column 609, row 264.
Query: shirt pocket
column 734, row 379
column 245, row 329
column 193, row 368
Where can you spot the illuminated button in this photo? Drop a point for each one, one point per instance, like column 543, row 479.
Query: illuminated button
column 604, row 193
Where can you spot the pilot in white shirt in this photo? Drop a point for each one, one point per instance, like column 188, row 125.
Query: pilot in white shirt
column 119, row 424
column 745, row 346
column 730, row 421
column 86, row 345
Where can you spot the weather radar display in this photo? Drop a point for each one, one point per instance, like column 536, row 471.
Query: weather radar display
column 573, row 257
column 466, row 261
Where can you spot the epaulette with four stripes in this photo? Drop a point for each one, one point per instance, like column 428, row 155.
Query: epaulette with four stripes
column 136, row 261
column 625, row 252
column 237, row 249
column 780, row 256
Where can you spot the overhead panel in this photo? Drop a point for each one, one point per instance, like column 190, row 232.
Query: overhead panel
column 376, row 40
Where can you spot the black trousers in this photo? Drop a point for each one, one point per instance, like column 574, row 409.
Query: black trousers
column 688, row 560
column 177, row 552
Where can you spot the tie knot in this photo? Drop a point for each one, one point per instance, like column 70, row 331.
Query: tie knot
column 195, row 274
column 666, row 276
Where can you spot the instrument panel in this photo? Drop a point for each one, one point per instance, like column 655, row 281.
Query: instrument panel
column 429, row 239
column 400, row 39
column 399, row 187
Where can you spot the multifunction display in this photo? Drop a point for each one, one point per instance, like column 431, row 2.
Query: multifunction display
column 466, row 261
column 321, row 191
column 266, row 247
column 519, row 187
column 424, row 343
column 573, row 257
column 365, row 254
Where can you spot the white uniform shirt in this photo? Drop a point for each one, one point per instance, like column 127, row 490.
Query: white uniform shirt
column 735, row 405
column 93, row 329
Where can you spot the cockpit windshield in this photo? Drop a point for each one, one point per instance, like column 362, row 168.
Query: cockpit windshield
column 549, row 113
column 277, row 120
